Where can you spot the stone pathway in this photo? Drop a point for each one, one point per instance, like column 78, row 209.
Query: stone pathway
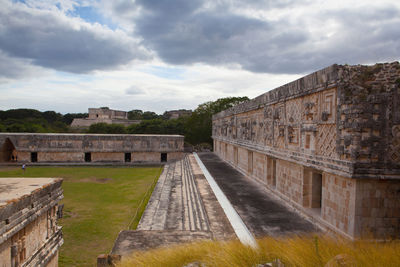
column 262, row 214
column 182, row 208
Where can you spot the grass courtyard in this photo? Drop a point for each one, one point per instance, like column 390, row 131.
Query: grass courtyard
column 98, row 203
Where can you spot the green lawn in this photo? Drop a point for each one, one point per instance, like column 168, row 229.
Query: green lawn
column 98, row 203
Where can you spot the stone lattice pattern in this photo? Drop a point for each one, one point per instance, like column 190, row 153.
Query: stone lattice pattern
column 293, row 110
column 394, row 148
column 326, row 140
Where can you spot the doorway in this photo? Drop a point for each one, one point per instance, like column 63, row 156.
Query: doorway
column 164, row 157
column 88, row 157
column 34, row 157
column 127, row 157
column 8, row 152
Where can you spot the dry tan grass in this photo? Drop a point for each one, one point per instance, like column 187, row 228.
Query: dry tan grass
column 295, row 251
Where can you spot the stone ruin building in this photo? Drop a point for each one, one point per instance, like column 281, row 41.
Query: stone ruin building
column 328, row 145
column 104, row 115
column 29, row 235
column 175, row 114
column 89, row 148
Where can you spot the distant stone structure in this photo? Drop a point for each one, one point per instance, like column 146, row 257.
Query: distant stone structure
column 89, row 148
column 29, row 234
column 175, row 114
column 327, row 144
column 104, row 115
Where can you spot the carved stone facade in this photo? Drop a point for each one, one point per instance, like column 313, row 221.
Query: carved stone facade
column 328, row 144
column 89, row 148
column 29, row 235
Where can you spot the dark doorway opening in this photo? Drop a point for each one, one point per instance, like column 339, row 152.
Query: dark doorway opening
column 88, row 157
column 274, row 173
column 316, row 197
column 33, row 156
column 235, row 156
column 8, row 152
column 271, row 171
column 128, row 157
column 164, row 157
column 250, row 162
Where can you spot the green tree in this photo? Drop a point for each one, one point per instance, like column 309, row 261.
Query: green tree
column 52, row 116
column 198, row 128
column 135, row 114
column 150, row 115
column 69, row 117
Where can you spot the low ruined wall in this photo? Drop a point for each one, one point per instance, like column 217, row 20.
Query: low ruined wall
column 107, row 157
column 146, row 157
column 102, row 148
column 53, row 156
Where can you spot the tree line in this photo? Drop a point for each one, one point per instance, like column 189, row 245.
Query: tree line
column 196, row 128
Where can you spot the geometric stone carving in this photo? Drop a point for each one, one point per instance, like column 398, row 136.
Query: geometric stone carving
column 293, row 111
column 394, row 148
column 326, row 140
column 328, row 106
column 310, row 107
column 293, row 135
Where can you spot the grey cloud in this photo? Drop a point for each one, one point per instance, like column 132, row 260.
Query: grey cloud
column 184, row 32
column 215, row 38
column 11, row 68
column 366, row 35
column 133, row 90
column 54, row 41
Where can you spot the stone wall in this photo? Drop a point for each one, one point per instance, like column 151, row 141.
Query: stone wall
column 102, row 148
column 338, row 203
column 340, row 119
column 378, row 208
column 319, row 142
column 29, row 235
column 103, row 115
column 106, row 113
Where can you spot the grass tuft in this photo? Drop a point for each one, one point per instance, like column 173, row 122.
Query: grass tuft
column 292, row 251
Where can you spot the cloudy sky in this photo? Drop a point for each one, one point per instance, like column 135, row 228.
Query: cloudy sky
column 68, row 55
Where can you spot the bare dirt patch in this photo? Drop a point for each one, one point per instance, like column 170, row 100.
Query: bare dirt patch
column 95, row 180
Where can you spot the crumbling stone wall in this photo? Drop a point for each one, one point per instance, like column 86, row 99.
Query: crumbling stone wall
column 337, row 125
column 29, row 235
column 104, row 115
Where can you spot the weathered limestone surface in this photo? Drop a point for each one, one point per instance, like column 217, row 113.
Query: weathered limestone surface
column 19, row 147
column 182, row 208
column 319, row 141
column 263, row 215
column 29, row 235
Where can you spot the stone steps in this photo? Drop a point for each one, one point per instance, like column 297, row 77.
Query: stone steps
column 196, row 219
column 175, row 203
